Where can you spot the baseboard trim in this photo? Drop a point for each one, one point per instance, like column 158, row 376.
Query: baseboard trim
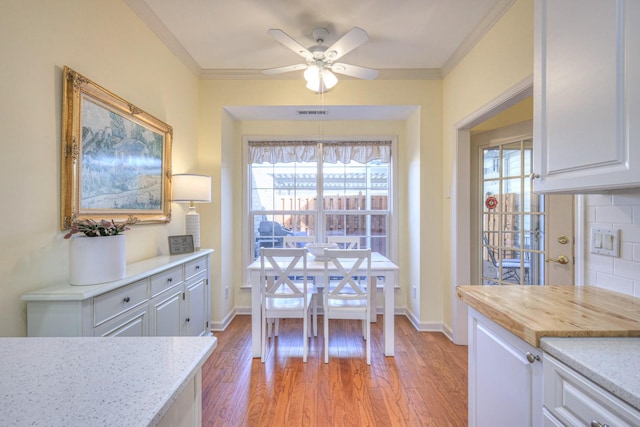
column 221, row 326
column 399, row 311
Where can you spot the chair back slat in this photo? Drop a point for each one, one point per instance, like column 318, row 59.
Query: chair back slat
column 276, row 271
column 345, row 242
column 344, row 282
column 297, row 241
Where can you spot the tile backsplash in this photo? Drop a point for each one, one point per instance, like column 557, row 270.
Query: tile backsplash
column 620, row 210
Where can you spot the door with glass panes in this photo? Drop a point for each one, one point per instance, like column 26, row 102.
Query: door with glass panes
column 526, row 238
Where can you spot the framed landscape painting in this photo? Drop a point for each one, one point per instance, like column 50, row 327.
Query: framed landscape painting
column 116, row 158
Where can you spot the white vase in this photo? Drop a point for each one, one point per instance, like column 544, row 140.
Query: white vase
column 94, row 260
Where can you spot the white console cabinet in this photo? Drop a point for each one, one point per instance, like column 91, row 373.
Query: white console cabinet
column 586, row 95
column 161, row 296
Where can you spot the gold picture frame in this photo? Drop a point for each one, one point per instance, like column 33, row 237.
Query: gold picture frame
column 116, row 158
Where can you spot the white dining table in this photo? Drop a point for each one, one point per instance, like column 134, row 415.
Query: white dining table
column 380, row 267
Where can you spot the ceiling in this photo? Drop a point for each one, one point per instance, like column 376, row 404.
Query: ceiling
column 226, row 38
column 408, row 39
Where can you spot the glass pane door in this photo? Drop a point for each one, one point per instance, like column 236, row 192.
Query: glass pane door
column 512, row 216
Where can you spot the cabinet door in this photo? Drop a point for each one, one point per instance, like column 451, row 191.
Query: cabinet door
column 167, row 313
column 505, row 388
column 586, row 95
column 196, row 321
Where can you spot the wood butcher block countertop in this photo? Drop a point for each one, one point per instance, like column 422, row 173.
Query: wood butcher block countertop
column 533, row 312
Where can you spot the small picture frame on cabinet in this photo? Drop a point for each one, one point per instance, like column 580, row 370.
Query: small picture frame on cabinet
column 182, row 244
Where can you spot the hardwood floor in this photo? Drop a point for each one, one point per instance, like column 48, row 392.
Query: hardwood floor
column 425, row 384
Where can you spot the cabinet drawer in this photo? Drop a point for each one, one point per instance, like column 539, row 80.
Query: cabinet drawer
column 111, row 304
column 577, row 401
column 196, row 266
column 133, row 323
column 165, row 280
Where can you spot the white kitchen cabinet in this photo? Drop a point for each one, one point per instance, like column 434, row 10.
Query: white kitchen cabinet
column 162, row 296
column 167, row 312
column 571, row 399
column 196, row 306
column 586, row 95
column 505, row 376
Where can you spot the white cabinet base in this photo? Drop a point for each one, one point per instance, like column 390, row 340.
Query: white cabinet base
column 165, row 295
column 505, row 376
column 573, row 400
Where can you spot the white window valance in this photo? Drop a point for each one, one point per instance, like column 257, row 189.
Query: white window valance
column 358, row 151
column 306, row 151
column 282, row 151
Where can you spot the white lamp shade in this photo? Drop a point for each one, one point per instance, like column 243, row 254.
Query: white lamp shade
column 319, row 79
column 312, row 76
column 191, row 188
column 329, row 79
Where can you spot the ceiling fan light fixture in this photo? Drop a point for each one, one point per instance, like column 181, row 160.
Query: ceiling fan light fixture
column 319, row 79
column 320, row 59
column 329, row 79
column 312, row 76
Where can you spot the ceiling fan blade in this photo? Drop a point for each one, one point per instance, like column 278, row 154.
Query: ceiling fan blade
column 284, row 69
column 355, row 71
column 346, row 43
column 287, row 41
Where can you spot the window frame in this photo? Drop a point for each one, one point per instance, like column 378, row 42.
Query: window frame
column 392, row 226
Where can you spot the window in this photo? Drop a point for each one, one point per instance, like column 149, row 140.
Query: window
column 320, row 189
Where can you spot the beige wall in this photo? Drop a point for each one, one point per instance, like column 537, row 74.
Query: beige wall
column 105, row 41
column 501, row 60
column 419, row 154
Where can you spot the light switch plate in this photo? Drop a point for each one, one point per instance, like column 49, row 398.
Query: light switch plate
column 605, row 241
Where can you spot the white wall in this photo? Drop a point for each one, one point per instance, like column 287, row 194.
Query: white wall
column 106, row 42
column 620, row 210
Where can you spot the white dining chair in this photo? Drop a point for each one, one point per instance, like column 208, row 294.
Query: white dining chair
column 299, row 242
column 344, row 295
column 345, row 242
column 281, row 296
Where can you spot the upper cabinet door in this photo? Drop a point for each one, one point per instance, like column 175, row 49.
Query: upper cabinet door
column 586, row 95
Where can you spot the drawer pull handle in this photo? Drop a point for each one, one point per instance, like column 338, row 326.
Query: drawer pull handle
column 126, row 299
column 187, row 319
column 595, row 423
column 531, row 358
column 170, row 279
column 197, row 267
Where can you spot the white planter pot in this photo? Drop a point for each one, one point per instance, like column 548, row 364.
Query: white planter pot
column 94, row 260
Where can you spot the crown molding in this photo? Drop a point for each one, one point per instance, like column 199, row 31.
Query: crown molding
column 154, row 23
column 476, row 35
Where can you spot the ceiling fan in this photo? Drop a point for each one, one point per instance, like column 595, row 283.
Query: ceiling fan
column 320, row 60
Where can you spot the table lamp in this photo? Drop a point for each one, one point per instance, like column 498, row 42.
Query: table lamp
column 194, row 189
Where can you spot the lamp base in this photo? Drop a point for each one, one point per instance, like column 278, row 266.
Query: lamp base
column 192, row 226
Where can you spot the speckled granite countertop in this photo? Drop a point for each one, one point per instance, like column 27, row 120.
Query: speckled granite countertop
column 118, row 381
column 612, row 363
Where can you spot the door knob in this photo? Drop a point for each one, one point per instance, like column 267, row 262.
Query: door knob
column 562, row 259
